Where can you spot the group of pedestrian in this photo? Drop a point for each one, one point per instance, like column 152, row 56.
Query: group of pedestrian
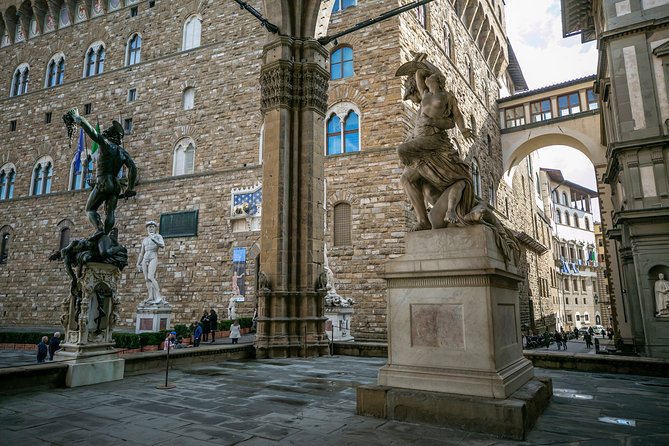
column 561, row 339
column 208, row 324
column 48, row 347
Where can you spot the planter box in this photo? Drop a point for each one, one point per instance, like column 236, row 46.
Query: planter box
column 150, row 348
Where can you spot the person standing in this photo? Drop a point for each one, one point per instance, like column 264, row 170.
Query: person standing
column 213, row 324
column 206, row 328
column 54, row 345
column 235, row 334
column 588, row 339
column 564, row 338
column 576, row 333
column 42, row 350
column 558, row 340
column 197, row 333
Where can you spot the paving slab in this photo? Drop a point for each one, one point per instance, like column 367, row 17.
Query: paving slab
column 311, row 402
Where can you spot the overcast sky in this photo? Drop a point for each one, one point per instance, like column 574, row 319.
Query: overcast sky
column 534, row 28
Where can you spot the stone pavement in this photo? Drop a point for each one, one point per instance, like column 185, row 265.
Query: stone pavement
column 310, row 402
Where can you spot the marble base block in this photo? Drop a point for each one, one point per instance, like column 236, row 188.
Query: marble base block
column 454, row 321
column 94, row 371
column 455, row 356
column 152, row 318
column 338, row 325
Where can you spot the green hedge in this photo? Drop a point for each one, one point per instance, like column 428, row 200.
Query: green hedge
column 126, row 340
column 11, row 337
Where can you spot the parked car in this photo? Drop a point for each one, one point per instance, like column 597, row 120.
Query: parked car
column 597, row 329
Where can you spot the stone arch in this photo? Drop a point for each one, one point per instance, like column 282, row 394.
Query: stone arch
column 341, row 196
column 298, row 19
column 347, row 93
column 187, row 131
column 518, row 145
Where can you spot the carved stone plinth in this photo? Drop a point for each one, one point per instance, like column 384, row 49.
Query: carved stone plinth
column 338, row 325
column 152, row 318
column 281, row 336
column 453, row 327
column 90, row 316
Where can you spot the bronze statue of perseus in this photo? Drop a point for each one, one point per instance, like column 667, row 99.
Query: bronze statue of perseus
column 113, row 157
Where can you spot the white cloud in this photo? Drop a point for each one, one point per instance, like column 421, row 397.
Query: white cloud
column 534, row 28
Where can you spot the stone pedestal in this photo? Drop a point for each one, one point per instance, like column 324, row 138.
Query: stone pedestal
column 454, row 328
column 338, row 325
column 89, row 320
column 152, row 318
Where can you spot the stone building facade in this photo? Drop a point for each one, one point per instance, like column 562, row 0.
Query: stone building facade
column 183, row 78
column 633, row 86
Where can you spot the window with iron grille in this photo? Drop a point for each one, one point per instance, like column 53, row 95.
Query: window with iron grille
column 342, row 224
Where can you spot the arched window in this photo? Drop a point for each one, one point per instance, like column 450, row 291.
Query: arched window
column 184, row 157
column 476, row 177
column 558, row 217
column 81, row 172
column 64, row 238
column 42, row 176
column 537, row 183
column 134, row 50
column 470, row 73
column 448, row 42
column 189, row 98
column 340, row 5
column 586, row 223
column 342, row 224
column 7, row 177
column 566, row 219
column 554, row 196
column 4, row 247
column 192, row 33
column 55, row 71
column 343, row 137
column 341, row 63
column 564, row 199
column 351, row 133
column 20, row 80
column 334, row 145
column 489, row 144
column 576, row 220
column 95, row 60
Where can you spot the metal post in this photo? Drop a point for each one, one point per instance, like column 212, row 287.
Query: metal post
column 167, row 368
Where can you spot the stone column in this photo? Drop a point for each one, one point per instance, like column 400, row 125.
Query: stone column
column 294, row 100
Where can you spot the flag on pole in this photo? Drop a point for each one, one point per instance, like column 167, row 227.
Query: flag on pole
column 95, row 146
column 80, row 151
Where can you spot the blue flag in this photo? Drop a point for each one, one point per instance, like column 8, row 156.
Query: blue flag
column 80, row 152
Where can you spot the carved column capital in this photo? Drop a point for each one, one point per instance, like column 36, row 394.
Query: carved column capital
column 294, row 75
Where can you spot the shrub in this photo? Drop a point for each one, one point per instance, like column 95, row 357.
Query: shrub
column 183, row 331
column 126, row 340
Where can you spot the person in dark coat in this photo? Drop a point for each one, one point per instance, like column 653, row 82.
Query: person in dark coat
column 213, row 324
column 205, row 326
column 54, row 345
column 42, row 349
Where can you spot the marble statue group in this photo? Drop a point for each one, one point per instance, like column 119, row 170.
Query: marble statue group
column 436, row 180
